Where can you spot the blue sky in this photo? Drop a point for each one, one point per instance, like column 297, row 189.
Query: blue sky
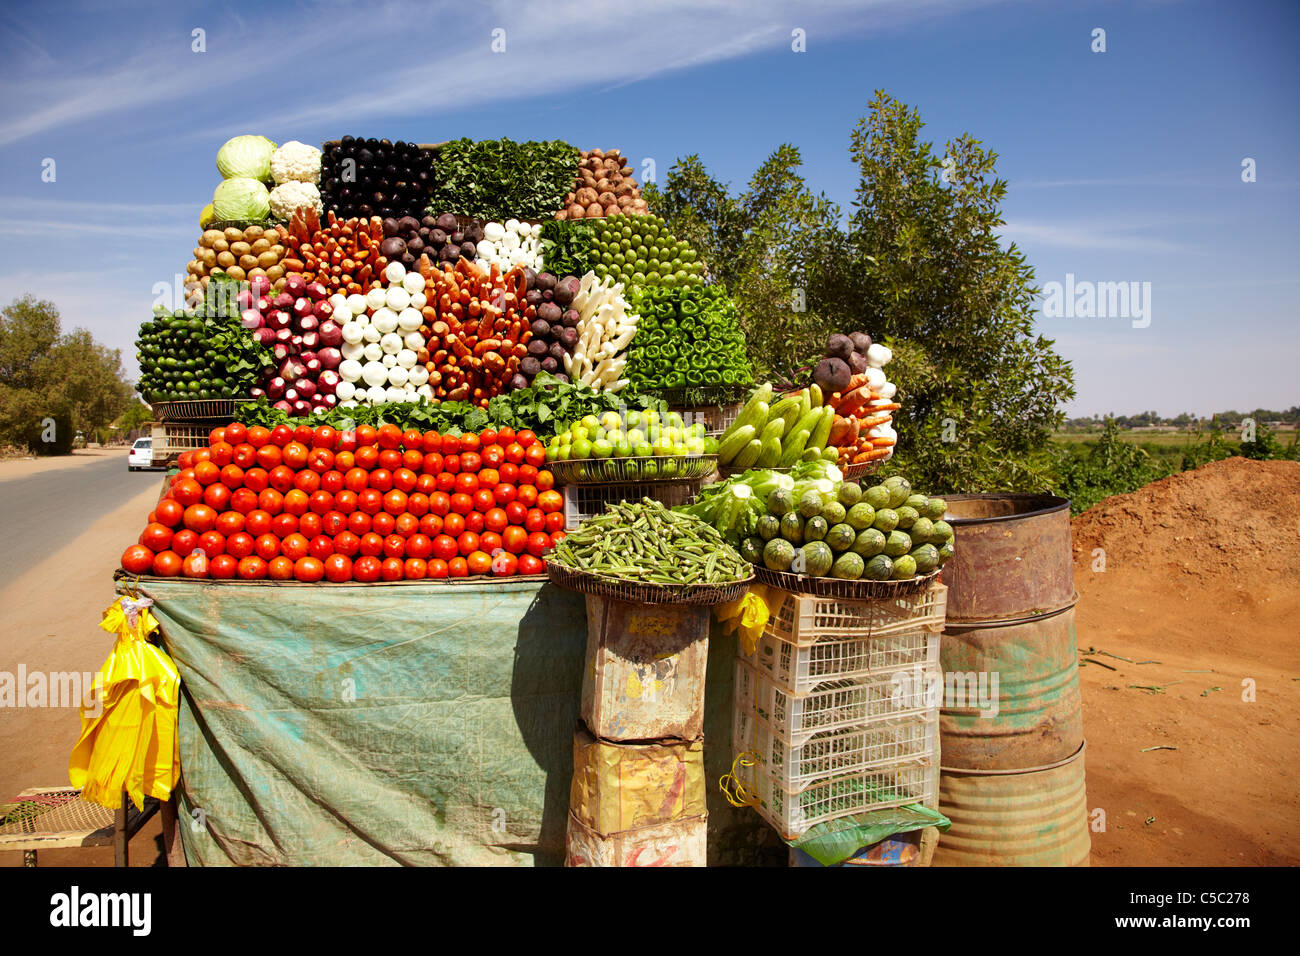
column 1123, row 166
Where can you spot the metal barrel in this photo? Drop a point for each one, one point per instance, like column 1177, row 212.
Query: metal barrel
column 1036, row 817
column 1011, row 693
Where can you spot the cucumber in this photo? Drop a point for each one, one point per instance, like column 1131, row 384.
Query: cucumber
column 815, row 399
column 775, row 428
column 734, row 442
column 755, row 411
column 811, row 454
column 822, row 433
column 811, row 419
column 771, row 453
column 787, row 409
column 805, row 402
column 793, row 448
column 748, row 455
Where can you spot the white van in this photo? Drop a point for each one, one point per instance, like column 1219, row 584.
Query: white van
column 141, row 455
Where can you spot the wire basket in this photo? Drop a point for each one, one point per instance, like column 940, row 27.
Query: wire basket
column 638, row 592
column 587, row 501
column 804, row 619
column 838, row 704
column 696, row 396
column 853, row 472
column 839, row 587
column 803, row 669
column 198, row 410
column 596, row 471
column 715, row 418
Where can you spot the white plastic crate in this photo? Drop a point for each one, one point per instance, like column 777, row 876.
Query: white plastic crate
column 834, row 753
column 840, row 704
column 172, row 438
column 803, row 669
column 887, row 785
column 586, row 501
column 805, row 619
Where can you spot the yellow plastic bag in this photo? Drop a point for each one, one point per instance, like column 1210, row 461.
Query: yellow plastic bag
column 128, row 732
column 751, row 620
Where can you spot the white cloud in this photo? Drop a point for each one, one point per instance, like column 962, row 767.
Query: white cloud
column 1110, row 237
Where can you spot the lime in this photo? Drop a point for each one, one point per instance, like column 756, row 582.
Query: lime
column 601, row 449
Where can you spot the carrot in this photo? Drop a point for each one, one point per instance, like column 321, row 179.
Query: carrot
column 873, row 455
column 853, row 401
column 875, row 420
column 883, row 442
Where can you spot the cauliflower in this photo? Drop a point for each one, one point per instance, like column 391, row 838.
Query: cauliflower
column 296, row 162
column 290, row 196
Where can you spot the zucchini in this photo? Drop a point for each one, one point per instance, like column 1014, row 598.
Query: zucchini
column 771, row 453
column 793, row 448
column 733, row 442
column 748, row 455
column 822, row 433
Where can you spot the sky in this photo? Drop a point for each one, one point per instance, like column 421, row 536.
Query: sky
column 1126, row 152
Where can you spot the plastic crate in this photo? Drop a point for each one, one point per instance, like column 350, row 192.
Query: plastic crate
column 716, row 418
column 172, row 438
column 841, row 704
column 887, row 785
column 803, row 669
column 834, row 753
column 805, row 619
column 586, row 501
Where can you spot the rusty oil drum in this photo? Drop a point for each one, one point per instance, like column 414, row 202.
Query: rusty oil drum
column 1034, row 817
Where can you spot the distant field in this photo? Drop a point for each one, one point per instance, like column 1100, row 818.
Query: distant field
column 1164, row 439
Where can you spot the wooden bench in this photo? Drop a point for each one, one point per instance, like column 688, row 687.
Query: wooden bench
column 42, row 818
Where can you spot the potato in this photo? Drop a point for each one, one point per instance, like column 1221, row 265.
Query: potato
column 626, row 170
column 577, row 211
column 210, row 236
column 220, row 245
column 260, row 246
column 275, row 272
column 595, row 211
column 195, row 268
column 613, row 154
column 233, row 235
column 612, row 164
column 612, row 210
column 256, row 272
column 603, row 185
column 253, row 232
column 225, row 259
column 562, row 214
column 236, row 273
column 279, row 250
column 248, row 261
column 240, row 248
column 209, row 258
column 624, row 202
column 267, row 259
column 595, row 154
column 607, row 199
column 624, row 188
column 585, row 196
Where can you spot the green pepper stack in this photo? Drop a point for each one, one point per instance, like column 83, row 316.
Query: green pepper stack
column 687, row 337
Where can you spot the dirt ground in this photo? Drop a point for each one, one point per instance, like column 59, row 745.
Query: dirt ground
column 22, row 467
column 1201, row 579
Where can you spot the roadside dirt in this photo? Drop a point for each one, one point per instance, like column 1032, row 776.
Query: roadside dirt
column 1201, row 592
column 11, row 468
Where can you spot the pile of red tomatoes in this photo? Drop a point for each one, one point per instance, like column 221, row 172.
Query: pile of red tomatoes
column 374, row 504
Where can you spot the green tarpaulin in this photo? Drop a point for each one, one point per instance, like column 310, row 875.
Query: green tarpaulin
column 416, row 723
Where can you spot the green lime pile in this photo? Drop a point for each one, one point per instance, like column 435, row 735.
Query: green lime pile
column 884, row 533
column 630, row 443
column 640, row 251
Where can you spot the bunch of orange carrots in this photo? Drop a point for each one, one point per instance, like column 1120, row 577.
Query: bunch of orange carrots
column 342, row 254
column 859, row 410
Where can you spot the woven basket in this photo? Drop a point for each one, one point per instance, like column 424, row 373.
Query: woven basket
column 609, row 471
column 862, row 469
column 198, row 409
column 839, row 588
column 636, row 592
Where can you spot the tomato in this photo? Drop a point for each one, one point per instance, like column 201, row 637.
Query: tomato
column 156, row 537
column 240, row 545
column 381, row 479
column 230, row 522
column 271, row 501
column 217, row 496
column 407, row 524
column 185, row 460
column 383, row 523
column 199, row 518
column 488, row 478
column 137, row 559
column 504, row 492
column 419, row 546
column 469, row 442
column 333, row 523
column 295, row 455
column 466, row 483
column 457, row 568
column 490, row 542
column 439, row 503
column 484, row 500
column 474, row 522
column 462, row 503
column 558, row 536
column 267, row 546
column 390, row 459
column 338, row 568
column 309, row 569
column 437, row 568
column 390, row 436
column 431, row 442
column 454, row 524
column 371, row 501
column 451, row 464
column 303, row 434
column 245, row 455
column 505, row 435
column 359, row 522
column 366, row 457
column 493, row 456
column 281, row 478
column 426, row 484
column 283, row 525
column 505, row 564
column 212, row 543
column 357, row 479
column 295, row 546
column 216, row 436
column 495, row 519
column 181, row 476
column 223, row 453
column 320, row 502
column 444, row 547
column 255, row 479
column 268, row 456
column 394, row 546
column 487, row 436
column 236, row 432
column 554, row 522
column 320, row 460
column 446, row 481
column 366, row 435
column 391, row 569
column 538, row 543
column 279, row 569
column 528, row 564
column 414, row 569
column 431, row 525
column 332, row 481
column 527, row 437
column 509, row 472
column 195, row 565
column 344, row 460
column 187, row 491
column 450, row 445
column 417, row 504
column 478, row 563
column 535, row 455
column 404, row 480
column 470, row 461
column 412, row 459
column 550, row 501
column 223, row 566
column 166, row 564
column 366, row 569
column 514, row 452
column 516, row 512
column 257, row 522
column 322, row 437
column 412, row 438
column 307, row 481
column 467, row 543
column 544, row 481
column 527, row 475
column 431, row 464
column 251, row 568
column 534, row 521
column 347, row 543
column 203, row 454
column 527, row 495
column 295, row 502
column 310, row 524
column 321, row 547
column 258, row 436
column 346, row 501
column 371, row 545
column 232, row 476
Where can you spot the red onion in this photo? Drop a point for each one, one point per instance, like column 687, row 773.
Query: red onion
column 329, row 357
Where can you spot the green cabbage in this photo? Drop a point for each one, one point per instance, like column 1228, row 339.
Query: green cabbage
column 241, row 198
column 248, row 156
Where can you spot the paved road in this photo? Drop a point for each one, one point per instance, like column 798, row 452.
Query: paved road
column 43, row 512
